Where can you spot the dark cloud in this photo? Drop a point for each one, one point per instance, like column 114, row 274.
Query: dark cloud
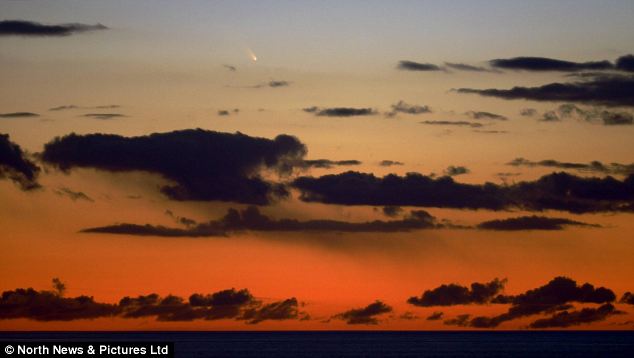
column 367, row 315
column 104, row 116
column 416, row 66
column 554, row 296
column 230, row 68
column 456, row 170
column 51, row 306
column 592, row 115
column 273, row 83
column 16, row 166
column 625, row 63
column 465, row 67
column 489, row 131
column 327, row 163
column 223, row 113
column 550, row 116
column 453, row 294
column 281, row 310
column 531, row 223
column 402, row 107
column 29, row 28
column 486, row 115
column 460, row 321
column 389, row 163
column 594, row 166
column 19, row 115
column 204, row 165
column 392, row 211
column 72, row 106
column 73, row 195
column 409, row 316
column 548, row 64
column 64, row 107
column 575, row 318
column 628, row 298
column 557, row 191
column 609, row 90
column 453, row 123
column 528, row 112
column 340, row 111
column 435, row 316
column 251, row 219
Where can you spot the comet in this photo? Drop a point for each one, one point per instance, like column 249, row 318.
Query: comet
column 252, row 55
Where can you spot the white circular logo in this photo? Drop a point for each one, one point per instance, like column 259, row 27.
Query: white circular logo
column 8, row 349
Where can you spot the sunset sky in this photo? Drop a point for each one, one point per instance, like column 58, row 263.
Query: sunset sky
column 352, row 164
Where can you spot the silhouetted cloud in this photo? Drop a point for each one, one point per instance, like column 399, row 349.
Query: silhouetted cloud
column 366, row 315
column 557, row 191
column 327, row 163
column 104, row 116
column 548, row 64
column 554, row 296
column 72, row 106
column 389, row 163
column 223, row 113
column 454, row 294
column 575, row 318
column 435, row 316
column 273, row 83
column 204, row 165
column 29, row 28
column 531, row 223
column 402, row 107
column 277, row 311
column 625, row 63
column 251, row 219
column 453, row 123
column 594, row 166
column 340, row 111
column 609, row 90
column 455, row 170
column 73, row 195
column 417, row 66
column 16, row 166
column 628, row 298
column 392, row 211
column 592, row 115
column 64, row 107
column 486, row 115
column 19, row 115
column 528, row 112
column 470, row 68
column 460, row 321
column 230, row 68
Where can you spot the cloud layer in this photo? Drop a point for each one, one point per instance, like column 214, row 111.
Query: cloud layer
column 36, row 29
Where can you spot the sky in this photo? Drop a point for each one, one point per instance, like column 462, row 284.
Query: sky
column 301, row 165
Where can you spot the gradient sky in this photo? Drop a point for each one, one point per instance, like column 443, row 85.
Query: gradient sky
column 166, row 66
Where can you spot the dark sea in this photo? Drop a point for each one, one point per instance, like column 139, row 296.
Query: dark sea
column 367, row 344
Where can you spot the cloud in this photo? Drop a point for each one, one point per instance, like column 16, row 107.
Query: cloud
column 460, row 321
column 486, row 115
column 16, row 166
column 223, row 113
column 628, row 298
column 470, row 68
column 575, row 318
column 19, row 115
column 340, row 111
column 72, row 106
column 34, row 29
column 548, row 64
column 402, row 107
column 531, row 223
column 389, row 163
column 528, row 112
column 453, row 123
column 392, row 211
column 273, row 83
column 251, row 219
column 554, row 296
column 594, row 166
column 230, row 68
column 204, row 165
column 435, row 316
column 281, row 310
column 366, row 315
column 73, row 195
column 557, row 191
column 592, row 115
column 454, row 294
column 608, row 90
column 104, row 116
column 51, row 306
column 416, row 66
column 625, row 63
column 456, row 170
column 64, row 107
column 327, row 163
column 409, row 316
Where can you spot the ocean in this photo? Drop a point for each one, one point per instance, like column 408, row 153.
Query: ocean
column 366, row 343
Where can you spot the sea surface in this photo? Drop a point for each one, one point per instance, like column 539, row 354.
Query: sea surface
column 366, row 344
